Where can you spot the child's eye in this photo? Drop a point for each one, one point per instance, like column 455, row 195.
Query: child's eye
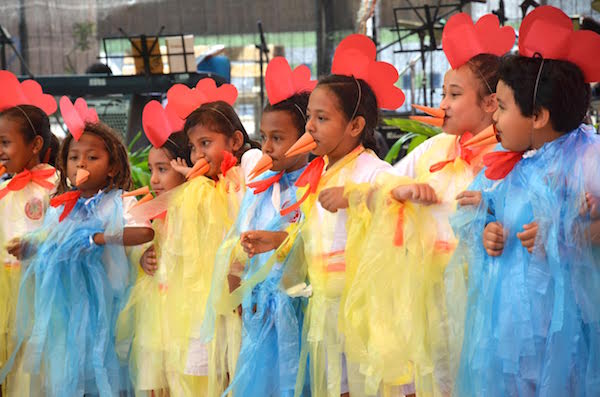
column 72, row 158
column 321, row 118
column 162, row 169
column 93, row 158
column 205, row 143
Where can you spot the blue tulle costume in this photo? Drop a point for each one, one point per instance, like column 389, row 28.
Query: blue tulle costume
column 531, row 321
column 271, row 320
column 70, row 295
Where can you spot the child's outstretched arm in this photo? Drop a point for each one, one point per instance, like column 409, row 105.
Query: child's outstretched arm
column 258, row 241
column 16, row 247
column 469, row 197
column 131, row 236
column 421, row 193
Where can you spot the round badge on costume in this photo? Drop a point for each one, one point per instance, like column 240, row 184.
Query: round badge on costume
column 33, row 209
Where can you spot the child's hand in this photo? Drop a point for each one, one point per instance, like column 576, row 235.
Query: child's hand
column 259, row 241
column 593, row 204
column 99, row 239
column 332, row 199
column 527, row 236
column 16, row 247
column 469, row 197
column 493, row 239
column 148, row 261
column 420, row 193
column 180, row 166
column 236, row 268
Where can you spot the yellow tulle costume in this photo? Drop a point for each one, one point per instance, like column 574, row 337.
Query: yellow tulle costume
column 325, row 242
column 395, row 318
column 21, row 212
column 168, row 308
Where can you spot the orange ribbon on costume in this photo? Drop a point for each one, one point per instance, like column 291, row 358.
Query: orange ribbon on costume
column 69, row 199
column 229, row 161
column 263, row 185
column 21, row 180
column 465, row 152
column 500, row 164
column 399, row 234
column 311, row 177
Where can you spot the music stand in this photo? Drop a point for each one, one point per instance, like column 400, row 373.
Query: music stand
column 6, row 39
column 431, row 19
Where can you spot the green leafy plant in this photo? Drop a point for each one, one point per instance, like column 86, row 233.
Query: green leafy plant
column 415, row 134
column 138, row 160
column 83, row 36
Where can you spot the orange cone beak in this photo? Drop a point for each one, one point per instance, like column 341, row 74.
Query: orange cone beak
column 137, row 192
column 305, row 144
column 436, row 119
column 484, row 138
column 2, row 169
column 200, row 168
column 81, row 176
column 264, row 164
column 144, row 199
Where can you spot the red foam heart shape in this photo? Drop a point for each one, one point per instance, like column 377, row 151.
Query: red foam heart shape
column 548, row 31
column 355, row 56
column 159, row 123
column 88, row 115
column 494, row 39
column 462, row 40
column 36, row 97
column 184, row 100
column 281, row 82
column 70, row 115
column 155, row 124
column 12, row 93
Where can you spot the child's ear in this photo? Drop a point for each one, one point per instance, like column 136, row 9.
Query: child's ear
column 541, row 119
column 38, row 144
column 490, row 103
column 357, row 126
column 112, row 171
column 237, row 140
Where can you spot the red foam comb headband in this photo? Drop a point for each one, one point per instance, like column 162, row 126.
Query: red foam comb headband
column 159, row 123
column 281, row 82
column 462, row 40
column 28, row 92
column 356, row 56
column 184, row 100
column 75, row 116
column 549, row 32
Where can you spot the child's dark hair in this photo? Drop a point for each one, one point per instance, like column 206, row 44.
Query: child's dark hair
column 347, row 92
column 561, row 89
column 117, row 152
column 220, row 117
column 33, row 122
column 485, row 67
column 177, row 146
column 296, row 106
